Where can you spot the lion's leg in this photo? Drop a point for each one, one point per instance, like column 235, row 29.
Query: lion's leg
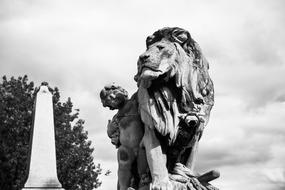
column 143, row 170
column 190, row 163
column 156, row 160
column 192, row 154
column 125, row 160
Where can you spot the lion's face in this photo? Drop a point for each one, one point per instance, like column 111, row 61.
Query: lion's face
column 160, row 61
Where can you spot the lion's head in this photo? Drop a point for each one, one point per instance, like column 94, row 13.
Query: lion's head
column 173, row 69
column 172, row 54
column 159, row 61
column 113, row 96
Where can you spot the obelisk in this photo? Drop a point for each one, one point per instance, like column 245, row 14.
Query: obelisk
column 42, row 171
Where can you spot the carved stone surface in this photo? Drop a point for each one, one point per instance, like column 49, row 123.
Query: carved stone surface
column 126, row 132
column 174, row 99
column 42, row 170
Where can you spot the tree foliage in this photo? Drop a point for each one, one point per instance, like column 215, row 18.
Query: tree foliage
column 76, row 170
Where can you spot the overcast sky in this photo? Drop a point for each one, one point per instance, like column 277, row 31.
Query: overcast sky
column 79, row 46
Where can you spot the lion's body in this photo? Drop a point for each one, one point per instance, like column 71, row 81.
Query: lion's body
column 175, row 96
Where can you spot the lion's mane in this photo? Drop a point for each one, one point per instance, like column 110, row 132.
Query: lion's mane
column 190, row 91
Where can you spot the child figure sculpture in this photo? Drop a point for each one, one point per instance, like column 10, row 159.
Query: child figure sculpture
column 126, row 131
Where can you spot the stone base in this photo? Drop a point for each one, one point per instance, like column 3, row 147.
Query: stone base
column 184, row 178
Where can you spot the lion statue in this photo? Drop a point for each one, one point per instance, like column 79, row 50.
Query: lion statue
column 175, row 97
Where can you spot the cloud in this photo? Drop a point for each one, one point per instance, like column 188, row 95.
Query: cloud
column 104, row 150
column 81, row 46
column 276, row 177
column 246, row 146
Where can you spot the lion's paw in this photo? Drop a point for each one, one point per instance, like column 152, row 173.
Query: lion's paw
column 161, row 185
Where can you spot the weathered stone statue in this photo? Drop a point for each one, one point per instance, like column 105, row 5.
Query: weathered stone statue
column 126, row 132
column 174, row 99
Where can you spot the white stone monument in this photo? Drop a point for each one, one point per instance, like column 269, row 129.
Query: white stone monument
column 42, row 171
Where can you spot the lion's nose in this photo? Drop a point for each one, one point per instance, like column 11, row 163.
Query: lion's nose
column 144, row 57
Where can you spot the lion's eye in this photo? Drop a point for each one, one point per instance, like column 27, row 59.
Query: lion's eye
column 160, row 47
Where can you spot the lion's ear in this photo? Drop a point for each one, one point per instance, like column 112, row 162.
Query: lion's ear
column 149, row 40
column 181, row 36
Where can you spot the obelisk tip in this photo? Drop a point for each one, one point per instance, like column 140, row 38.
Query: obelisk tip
column 44, row 88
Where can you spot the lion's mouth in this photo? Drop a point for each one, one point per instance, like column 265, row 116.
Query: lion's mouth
column 146, row 67
column 150, row 76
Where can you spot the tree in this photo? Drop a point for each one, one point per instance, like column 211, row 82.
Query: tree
column 76, row 170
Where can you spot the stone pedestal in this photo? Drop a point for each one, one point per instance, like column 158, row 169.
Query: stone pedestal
column 42, row 171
